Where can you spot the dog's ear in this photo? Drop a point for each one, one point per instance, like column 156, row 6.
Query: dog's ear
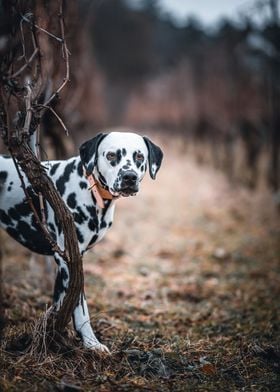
column 88, row 152
column 155, row 156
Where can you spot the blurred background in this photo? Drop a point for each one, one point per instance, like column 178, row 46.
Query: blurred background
column 207, row 71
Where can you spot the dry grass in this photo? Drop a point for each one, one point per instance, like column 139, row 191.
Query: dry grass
column 184, row 290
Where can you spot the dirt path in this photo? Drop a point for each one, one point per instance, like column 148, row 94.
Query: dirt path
column 184, row 289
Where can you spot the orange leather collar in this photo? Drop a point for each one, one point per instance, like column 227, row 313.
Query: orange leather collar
column 100, row 194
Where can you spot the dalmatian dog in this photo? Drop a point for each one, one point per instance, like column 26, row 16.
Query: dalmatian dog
column 111, row 165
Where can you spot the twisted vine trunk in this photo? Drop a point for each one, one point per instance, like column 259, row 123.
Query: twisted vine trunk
column 24, row 80
column 41, row 183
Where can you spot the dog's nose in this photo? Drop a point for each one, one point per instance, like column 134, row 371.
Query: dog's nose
column 129, row 178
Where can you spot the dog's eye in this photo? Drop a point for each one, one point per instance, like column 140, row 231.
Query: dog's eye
column 111, row 156
column 139, row 157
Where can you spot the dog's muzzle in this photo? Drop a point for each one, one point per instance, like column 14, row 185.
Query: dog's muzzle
column 129, row 183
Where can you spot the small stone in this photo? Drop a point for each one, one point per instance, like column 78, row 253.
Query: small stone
column 220, row 253
column 143, row 271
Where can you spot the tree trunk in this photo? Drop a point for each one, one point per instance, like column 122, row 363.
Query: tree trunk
column 24, row 80
column 41, row 183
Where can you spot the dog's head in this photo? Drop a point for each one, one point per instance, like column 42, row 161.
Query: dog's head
column 119, row 160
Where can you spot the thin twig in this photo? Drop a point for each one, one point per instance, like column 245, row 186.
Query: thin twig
column 41, row 199
column 22, row 40
column 26, row 64
column 42, row 208
column 65, row 56
column 42, row 29
column 57, row 117
column 48, row 33
column 28, row 116
column 38, row 63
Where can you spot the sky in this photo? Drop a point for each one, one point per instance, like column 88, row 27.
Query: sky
column 208, row 11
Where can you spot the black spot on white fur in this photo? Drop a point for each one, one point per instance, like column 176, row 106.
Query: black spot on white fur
column 71, row 200
column 64, row 178
column 3, row 178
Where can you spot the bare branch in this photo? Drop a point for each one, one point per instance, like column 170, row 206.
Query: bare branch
column 41, row 199
column 14, row 75
column 65, row 52
column 22, row 40
column 25, row 18
column 56, row 115
column 28, row 116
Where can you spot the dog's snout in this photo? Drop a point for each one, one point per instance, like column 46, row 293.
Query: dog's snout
column 129, row 177
column 129, row 184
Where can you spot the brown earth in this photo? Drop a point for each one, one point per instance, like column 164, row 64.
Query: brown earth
column 184, row 290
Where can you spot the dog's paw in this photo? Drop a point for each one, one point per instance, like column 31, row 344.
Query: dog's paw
column 101, row 348
column 96, row 346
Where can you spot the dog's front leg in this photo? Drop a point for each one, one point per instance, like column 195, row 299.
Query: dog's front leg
column 81, row 318
column 82, row 325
